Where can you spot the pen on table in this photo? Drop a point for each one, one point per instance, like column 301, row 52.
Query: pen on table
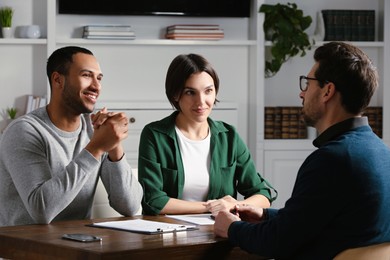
column 173, row 229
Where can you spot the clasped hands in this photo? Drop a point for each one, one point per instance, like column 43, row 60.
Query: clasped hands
column 225, row 217
column 110, row 128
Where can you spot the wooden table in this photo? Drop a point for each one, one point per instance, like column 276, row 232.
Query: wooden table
column 44, row 242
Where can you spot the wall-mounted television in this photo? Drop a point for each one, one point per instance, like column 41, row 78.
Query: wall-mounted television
column 195, row 8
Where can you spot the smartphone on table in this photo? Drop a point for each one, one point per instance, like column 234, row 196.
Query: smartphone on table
column 81, row 237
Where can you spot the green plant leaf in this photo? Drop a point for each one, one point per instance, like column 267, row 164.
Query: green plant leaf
column 6, row 14
column 11, row 112
column 284, row 26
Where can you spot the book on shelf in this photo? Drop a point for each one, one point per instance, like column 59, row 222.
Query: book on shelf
column 109, row 37
column 367, row 30
column 194, row 32
column 33, row 102
column 194, row 26
column 107, row 28
column 194, row 36
column 269, row 122
column 106, row 33
column 349, row 25
column 375, row 119
column 284, row 123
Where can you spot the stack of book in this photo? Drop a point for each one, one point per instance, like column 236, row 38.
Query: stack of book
column 284, row 123
column 194, row 32
column 349, row 25
column 121, row 32
column 375, row 119
column 34, row 102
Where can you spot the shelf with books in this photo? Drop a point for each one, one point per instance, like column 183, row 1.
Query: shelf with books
column 349, row 25
column 108, row 32
column 284, row 123
column 161, row 42
column 194, row 32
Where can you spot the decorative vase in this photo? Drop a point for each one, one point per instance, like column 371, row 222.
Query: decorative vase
column 33, row 32
column 7, row 32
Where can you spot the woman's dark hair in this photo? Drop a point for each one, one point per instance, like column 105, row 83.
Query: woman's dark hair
column 352, row 72
column 61, row 59
column 180, row 69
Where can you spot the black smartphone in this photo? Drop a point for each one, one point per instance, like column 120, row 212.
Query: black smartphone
column 81, row 237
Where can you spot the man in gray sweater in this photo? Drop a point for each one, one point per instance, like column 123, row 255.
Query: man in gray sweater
column 51, row 159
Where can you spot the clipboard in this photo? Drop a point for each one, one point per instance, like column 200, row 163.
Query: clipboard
column 144, row 226
column 197, row 219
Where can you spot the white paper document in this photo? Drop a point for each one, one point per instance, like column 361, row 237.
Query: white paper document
column 144, row 226
column 198, row 219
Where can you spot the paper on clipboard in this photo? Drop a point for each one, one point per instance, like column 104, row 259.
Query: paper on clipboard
column 144, row 226
column 198, row 219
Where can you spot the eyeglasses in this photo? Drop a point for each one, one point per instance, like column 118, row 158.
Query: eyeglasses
column 303, row 82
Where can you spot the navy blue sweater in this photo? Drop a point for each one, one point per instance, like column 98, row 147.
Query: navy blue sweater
column 340, row 200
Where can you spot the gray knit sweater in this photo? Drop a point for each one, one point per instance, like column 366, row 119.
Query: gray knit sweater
column 46, row 174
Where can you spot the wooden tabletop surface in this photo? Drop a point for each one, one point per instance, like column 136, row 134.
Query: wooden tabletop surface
column 45, row 242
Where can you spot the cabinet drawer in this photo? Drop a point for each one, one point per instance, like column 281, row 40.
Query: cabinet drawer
column 137, row 120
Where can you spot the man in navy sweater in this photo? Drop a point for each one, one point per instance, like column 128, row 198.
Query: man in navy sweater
column 341, row 195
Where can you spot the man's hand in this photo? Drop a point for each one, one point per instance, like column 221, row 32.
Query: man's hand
column 100, row 117
column 222, row 223
column 249, row 213
column 110, row 129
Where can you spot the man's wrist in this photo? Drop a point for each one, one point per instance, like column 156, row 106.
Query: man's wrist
column 116, row 158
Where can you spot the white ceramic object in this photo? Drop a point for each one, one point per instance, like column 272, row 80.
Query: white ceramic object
column 33, row 31
column 7, row 32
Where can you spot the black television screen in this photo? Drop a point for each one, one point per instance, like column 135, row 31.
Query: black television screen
column 200, row 8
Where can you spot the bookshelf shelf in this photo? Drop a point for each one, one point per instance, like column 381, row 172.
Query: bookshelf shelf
column 23, row 41
column 158, row 42
column 375, row 44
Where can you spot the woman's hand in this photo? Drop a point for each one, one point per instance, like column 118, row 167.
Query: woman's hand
column 226, row 203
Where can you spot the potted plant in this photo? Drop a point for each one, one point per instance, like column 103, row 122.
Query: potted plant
column 11, row 112
column 284, row 25
column 6, row 14
column 11, row 115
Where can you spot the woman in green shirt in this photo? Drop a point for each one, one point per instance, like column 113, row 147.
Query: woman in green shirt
column 189, row 163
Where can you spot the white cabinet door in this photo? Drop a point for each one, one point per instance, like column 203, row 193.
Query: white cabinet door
column 138, row 119
column 280, row 169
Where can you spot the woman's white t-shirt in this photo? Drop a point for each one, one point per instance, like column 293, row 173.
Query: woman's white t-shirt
column 195, row 155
